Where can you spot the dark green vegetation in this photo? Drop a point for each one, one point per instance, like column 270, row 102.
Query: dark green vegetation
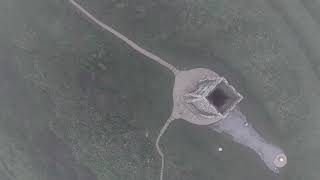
column 76, row 103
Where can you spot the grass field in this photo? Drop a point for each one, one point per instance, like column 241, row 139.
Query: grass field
column 78, row 104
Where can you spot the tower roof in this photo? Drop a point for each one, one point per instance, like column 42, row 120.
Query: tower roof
column 213, row 97
column 202, row 97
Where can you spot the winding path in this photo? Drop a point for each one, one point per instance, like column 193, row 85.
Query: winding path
column 125, row 39
column 162, row 131
column 148, row 54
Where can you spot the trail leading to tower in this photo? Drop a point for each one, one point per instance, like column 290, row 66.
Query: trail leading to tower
column 124, row 38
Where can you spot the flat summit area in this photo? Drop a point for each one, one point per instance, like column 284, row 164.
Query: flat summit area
column 76, row 103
